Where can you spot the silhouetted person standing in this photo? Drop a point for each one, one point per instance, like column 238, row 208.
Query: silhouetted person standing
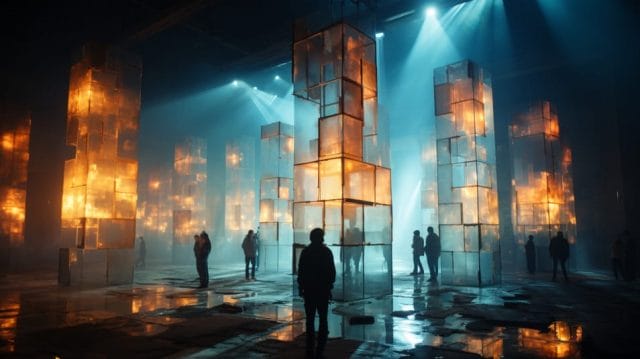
column 142, row 253
column 316, row 275
column 433, row 254
column 418, row 250
column 559, row 251
column 530, row 251
column 201, row 249
column 250, row 250
column 617, row 257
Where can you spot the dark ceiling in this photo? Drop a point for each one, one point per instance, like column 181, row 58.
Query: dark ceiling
column 182, row 43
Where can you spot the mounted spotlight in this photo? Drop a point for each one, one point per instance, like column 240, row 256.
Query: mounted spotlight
column 235, row 83
column 379, row 35
column 255, row 88
column 277, row 77
column 431, row 11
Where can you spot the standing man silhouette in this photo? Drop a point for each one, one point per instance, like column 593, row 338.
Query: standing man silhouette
column 418, row 250
column 250, row 249
column 559, row 251
column 433, row 254
column 316, row 275
column 530, row 250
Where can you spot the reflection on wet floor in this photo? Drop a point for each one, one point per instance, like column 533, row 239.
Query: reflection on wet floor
column 419, row 314
column 560, row 341
column 9, row 311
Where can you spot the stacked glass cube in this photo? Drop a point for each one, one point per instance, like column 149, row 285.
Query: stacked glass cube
column 467, row 192
column 542, row 184
column 276, row 197
column 341, row 183
column 100, row 182
column 189, row 185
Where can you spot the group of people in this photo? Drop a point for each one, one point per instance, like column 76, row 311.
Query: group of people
column 431, row 249
column 558, row 251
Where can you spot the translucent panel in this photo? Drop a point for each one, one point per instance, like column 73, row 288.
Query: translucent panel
column 125, row 205
column 471, row 238
column 442, row 100
column 306, row 182
column 383, row 185
column 353, row 224
column 471, row 173
column 469, row 117
column 352, row 97
column 306, row 131
column 452, row 237
column 306, row 217
column 359, row 180
column 114, row 233
column 330, row 179
column 463, row 149
column 445, row 126
column 285, row 189
column 484, row 174
column 450, row 213
column 470, row 205
column 446, row 267
column 330, row 136
column 377, row 224
column 489, row 268
column 458, row 175
column 333, row 223
column 128, row 143
column 377, row 270
column 268, row 232
column 445, row 184
column 267, row 210
column 444, row 151
column 352, row 137
column 369, row 80
column 331, row 99
column 490, row 238
column 285, row 234
column 488, row 200
column 269, row 188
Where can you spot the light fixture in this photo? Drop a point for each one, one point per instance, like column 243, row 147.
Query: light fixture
column 379, row 35
column 431, row 11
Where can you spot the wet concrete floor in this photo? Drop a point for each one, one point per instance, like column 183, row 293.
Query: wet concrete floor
column 163, row 315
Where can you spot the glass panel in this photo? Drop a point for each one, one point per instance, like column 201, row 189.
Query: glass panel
column 306, row 182
column 352, row 97
column 331, row 136
column 450, row 213
column 331, row 179
column 333, row 223
column 352, row 137
column 377, row 220
column 377, row 270
column 269, row 188
column 353, row 224
column 359, row 180
column 452, row 237
column 470, row 205
column 383, row 185
column 471, row 238
column 306, row 217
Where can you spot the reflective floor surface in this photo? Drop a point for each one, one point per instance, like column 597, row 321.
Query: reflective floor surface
column 163, row 315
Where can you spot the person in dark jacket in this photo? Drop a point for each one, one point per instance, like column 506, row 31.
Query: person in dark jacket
column 201, row 249
column 316, row 275
column 559, row 251
column 250, row 248
column 530, row 251
column 433, row 254
column 418, row 250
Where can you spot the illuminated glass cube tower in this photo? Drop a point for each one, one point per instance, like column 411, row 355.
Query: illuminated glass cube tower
column 276, row 197
column 155, row 214
column 339, row 182
column 100, row 182
column 542, row 184
column 240, row 189
column 467, row 185
column 189, row 185
column 15, row 129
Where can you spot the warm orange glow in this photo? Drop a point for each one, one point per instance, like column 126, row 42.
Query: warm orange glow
column 14, row 159
column 189, row 190
column 10, row 308
column 542, row 198
column 100, row 182
column 561, row 341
